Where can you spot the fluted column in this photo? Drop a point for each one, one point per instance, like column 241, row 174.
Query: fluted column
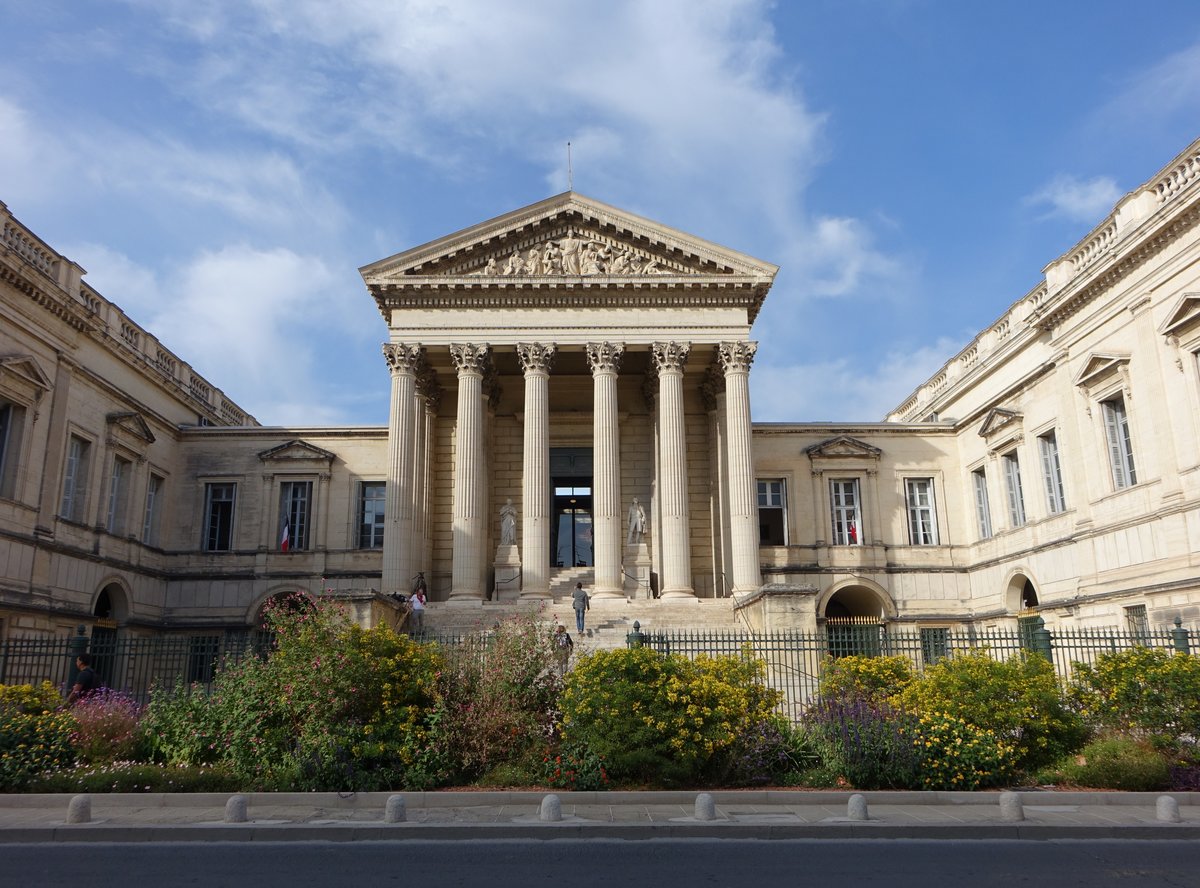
column 605, row 360
column 467, row 566
column 536, row 360
column 736, row 358
column 403, row 361
column 669, row 360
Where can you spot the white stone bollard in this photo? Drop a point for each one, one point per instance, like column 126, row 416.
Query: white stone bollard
column 80, row 809
column 856, row 807
column 706, row 808
column 1011, row 809
column 395, row 812
column 1167, row 809
column 235, row 809
column 551, row 810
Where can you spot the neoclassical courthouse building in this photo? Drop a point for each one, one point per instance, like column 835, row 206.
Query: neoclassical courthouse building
column 570, row 403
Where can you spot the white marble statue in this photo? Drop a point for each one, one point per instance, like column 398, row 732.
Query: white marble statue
column 508, row 523
column 637, row 523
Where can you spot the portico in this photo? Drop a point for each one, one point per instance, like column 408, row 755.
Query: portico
column 584, row 354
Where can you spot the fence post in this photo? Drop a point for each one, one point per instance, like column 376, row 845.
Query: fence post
column 1179, row 638
column 76, row 646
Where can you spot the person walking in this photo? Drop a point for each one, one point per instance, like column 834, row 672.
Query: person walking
column 581, row 603
column 417, row 603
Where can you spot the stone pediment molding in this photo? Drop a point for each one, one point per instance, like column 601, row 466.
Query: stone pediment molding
column 998, row 421
column 564, row 242
column 1183, row 316
column 297, row 451
column 1098, row 367
column 132, row 423
column 23, row 374
column 843, row 447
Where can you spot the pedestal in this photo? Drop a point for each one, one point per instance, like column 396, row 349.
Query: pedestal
column 508, row 574
column 637, row 572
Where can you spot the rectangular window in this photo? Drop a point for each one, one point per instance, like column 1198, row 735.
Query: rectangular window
column 295, row 504
column 154, row 489
column 218, row 516
column 847, row 519
column 12, row 418
column 203, row 657
column 75, row 475
column 1120, row 444
column 983, row 511
column 1137, row 622
column 922, row 516
column 1012, row 484
column 772, row 513
column 1056, row 501
column 935, row 644
column 372, row 499
column 118, row 491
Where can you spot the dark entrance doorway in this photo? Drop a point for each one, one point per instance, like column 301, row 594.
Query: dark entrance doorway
column 571, row 507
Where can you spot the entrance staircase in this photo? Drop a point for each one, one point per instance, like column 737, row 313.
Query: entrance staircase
column 608, row 621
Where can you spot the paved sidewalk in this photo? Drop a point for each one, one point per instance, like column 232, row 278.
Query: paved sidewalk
column 127, row 817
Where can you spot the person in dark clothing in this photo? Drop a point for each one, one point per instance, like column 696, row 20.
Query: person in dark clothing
column 86, row 682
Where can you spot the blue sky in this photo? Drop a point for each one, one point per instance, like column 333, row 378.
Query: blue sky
column 223, row 167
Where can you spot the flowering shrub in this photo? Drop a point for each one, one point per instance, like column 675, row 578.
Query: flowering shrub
column 1143, row 692
column 953, row 754
column 137, row 777
column 662, row 718
column 772, row 752
column 500, row 699
column 575, row 768
column 1019, row 700
column 35, row 736
column 872, row 680
column 106, row 727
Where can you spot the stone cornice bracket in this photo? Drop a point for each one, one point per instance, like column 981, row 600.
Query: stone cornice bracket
column 670, row 356
column 536, row 357
column 605, row 356
column 736, row 356
column 473, row 359
column 403, row 358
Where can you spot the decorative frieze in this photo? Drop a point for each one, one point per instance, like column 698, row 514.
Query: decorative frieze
column 577, row 254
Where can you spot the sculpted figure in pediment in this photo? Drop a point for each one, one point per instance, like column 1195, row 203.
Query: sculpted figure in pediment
column 571, row 246
column 515, row 264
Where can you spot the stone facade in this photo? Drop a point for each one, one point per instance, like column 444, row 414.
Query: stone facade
column 569, row 358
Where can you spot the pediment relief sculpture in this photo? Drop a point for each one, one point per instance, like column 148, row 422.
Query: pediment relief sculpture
column 843, row 446
column 577, row 253
column 296, row 450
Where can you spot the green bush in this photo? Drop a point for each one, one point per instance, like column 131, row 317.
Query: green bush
column 1143, row 692
column 106, row 727
column 1122, row 763
column 35, row 735
column 1019, row 700
column 575, row 768
column 953, row 754
column 661, row 718
column 137, row 777
column 872, row 680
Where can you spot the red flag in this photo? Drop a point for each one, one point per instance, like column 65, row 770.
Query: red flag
column 853, row 533
column 284, row 538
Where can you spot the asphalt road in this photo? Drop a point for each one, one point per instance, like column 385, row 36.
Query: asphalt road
column 659, row 863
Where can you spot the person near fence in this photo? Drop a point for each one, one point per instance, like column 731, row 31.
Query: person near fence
column 580, row 602
column 417, row 603
column 87, row 681
column 563, row 646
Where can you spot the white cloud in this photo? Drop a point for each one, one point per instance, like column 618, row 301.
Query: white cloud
column 843, row 390
column 30, row 161
column 1077, row 200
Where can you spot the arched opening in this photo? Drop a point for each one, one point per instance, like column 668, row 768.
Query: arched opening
column 855, row 621
column 1020, row 594
column 108, row 612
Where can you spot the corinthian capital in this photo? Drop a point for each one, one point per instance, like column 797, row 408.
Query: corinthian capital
column 737, row 356
column 605, row 356
column 536, row 356
column 471, row 358
column 671, row 355
column 402, row 358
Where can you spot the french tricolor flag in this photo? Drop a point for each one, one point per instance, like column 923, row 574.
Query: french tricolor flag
column 285, row 535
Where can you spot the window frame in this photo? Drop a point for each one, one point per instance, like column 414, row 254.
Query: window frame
column 155, row 485
column 120, row 472
column 298, row 510
column 983, row 506
column 12, row 429
column 1051, row 460
column 378, row 527
column 762, row 490
column 1013, row 488
column 207, row 542
column 76, row 470
column 846, row 521
column 1118, row 438
column 918, row 536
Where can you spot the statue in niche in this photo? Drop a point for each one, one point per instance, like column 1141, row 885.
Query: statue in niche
column 508, row 523
column 637, row 523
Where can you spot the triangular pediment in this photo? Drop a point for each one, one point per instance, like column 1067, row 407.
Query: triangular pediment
column 567, row 237
column 1098, row 366
column 133, row 423
column 1183, row 315
column 297, row 451
column 24, row 371
column 841, row 447
column 999, row 419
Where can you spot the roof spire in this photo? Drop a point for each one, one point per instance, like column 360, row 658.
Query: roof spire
column 570, row 172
